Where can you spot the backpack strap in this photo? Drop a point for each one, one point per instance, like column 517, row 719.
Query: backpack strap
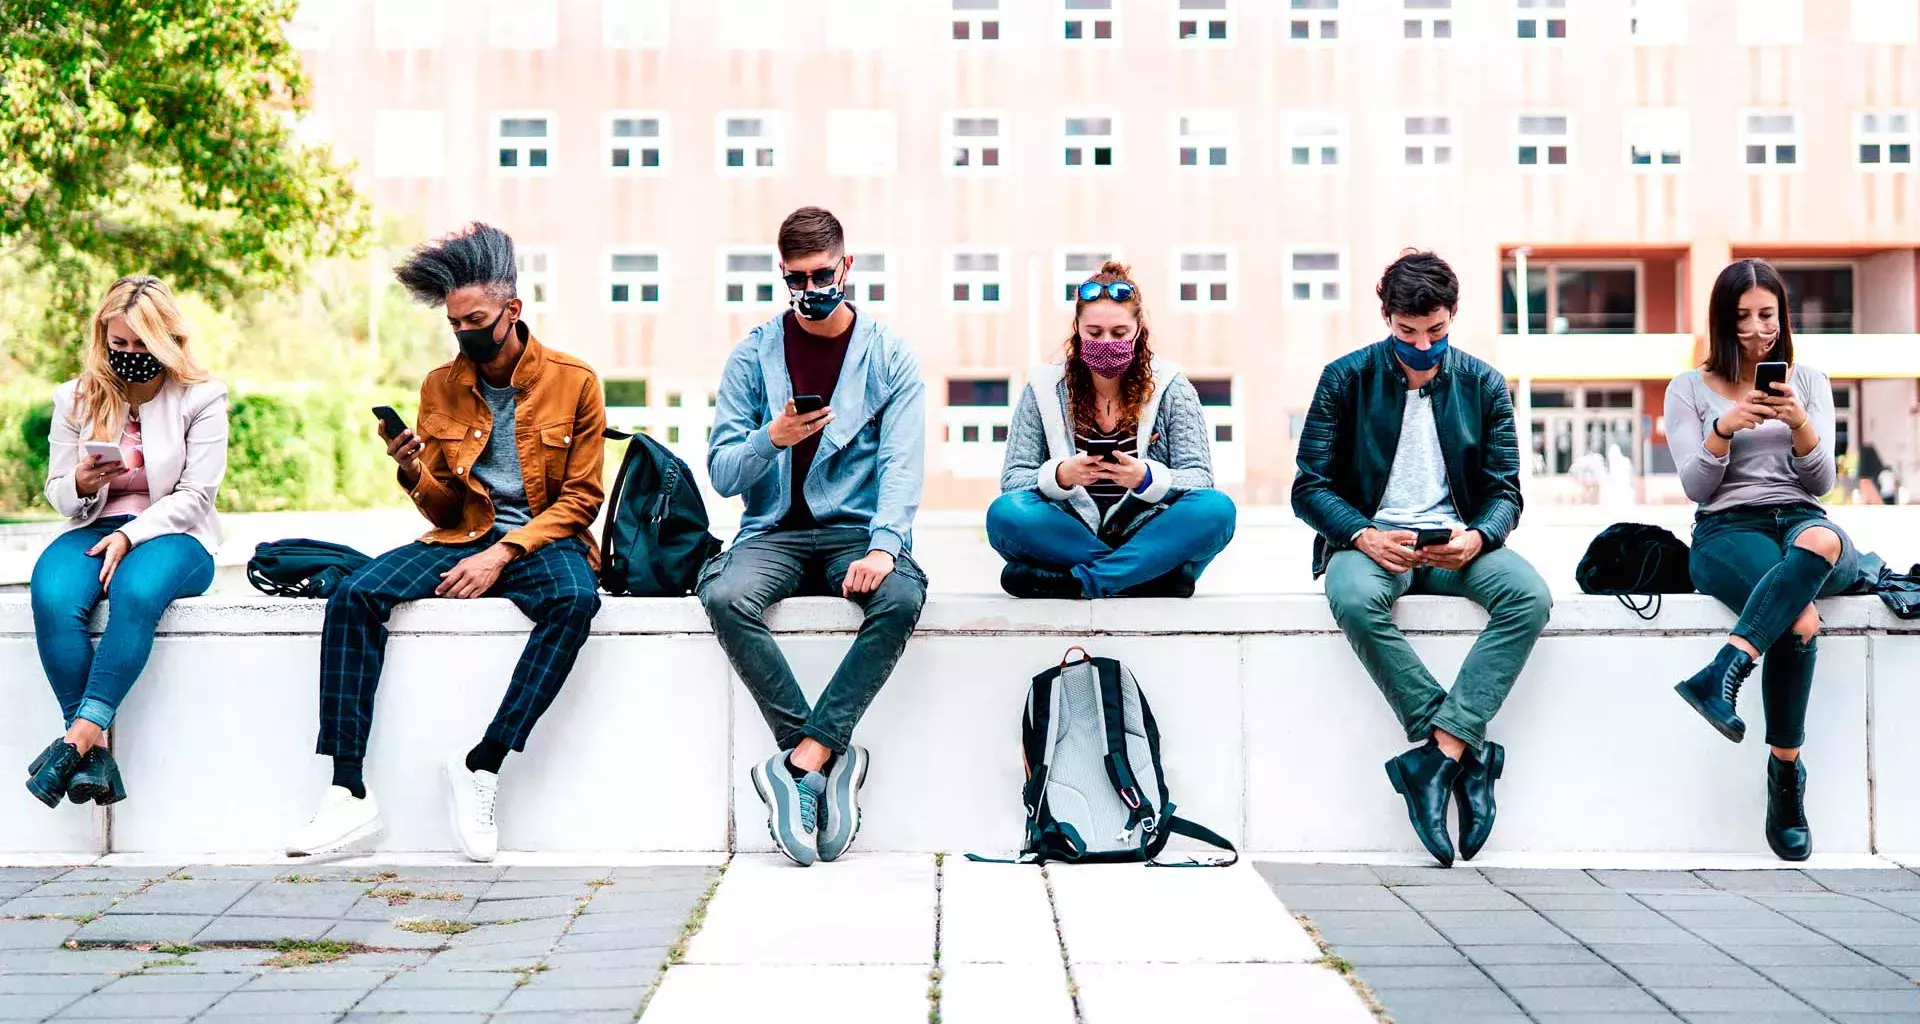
column 1647, row 610
column 1171, row 824
column 1113, row 718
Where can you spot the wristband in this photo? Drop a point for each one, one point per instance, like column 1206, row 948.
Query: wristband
column 1717, row 433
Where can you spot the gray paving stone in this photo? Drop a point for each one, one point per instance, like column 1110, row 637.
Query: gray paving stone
column 50, row 984
column 1445, row 1015
column 35, row 934
column 234, row 930
column 471, row 980
column 126, row 1020
column 135, row 983
column 1761, row 880
column 1599, row 899
column 1873, row 936
column 502, row 956
column 1899, row 902
column 667, row 874
column 1722, row 975
column 1464, row 976
column 1428, row 875
column 1459, row 898
column 1500, row 935
column 1695, row 952
column 1647, row 881
column 1577, row 921
column 1788, row 936
column 572, row 978
column 383, row 908
column 546, row 929
column 1796, row 977
column 231, row 872
column 507, row 910
column 56, row 906
column 70, row 961
column 436, row 1000
column 195, row 897
column 215, row 961
column 35, row 1007
column 550, row 889
column 1511, row 954
column 290, row 899
column 1700, row 899
column 1869, row 917
column 1376, row 928
column 1316, row 874
column 1782, row 1017
column 1750, row 917
column 33, row 874
column 1862, row 1000
column 639, row 938
column 615, row 960
column 1818, row 902
column 1900, row 958
column 1797, row 956
column 142, row 928
column 553, row 874
column 1744, row 999
column 104, row 873
column 381, row 935
column 1402, row 1003
column 1669, row 935
column 9, row 890
column 1866, row 879
column 1306, row 898
column 415, row 1018
column 143, row 1004
column 578, row 999
column 390, row 960
column 293, row 981
column 587, row 923
column 1594, row 999
column 566, row 1017
column 1661, row 1017
column 1555, row 975
column 1541, row 879
column 1388, row 956
column 285, row 1002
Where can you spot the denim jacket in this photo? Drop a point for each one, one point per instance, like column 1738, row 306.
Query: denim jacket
column 870, row 469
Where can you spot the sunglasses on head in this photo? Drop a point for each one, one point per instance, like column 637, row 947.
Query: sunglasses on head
column 819, row 278
column 1118, row 291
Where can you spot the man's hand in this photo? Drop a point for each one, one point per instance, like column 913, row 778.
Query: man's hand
column 1392, row 550
column 1465, row 546
column 1078, row 471
column 475, row 574
column 113, row 547
column 92, row 474
column 790, row 427
column 1124, row 470
column 405, row 450
column 866, row 575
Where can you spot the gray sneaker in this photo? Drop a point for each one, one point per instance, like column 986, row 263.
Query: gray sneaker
column 840, row 819
column 793, row 807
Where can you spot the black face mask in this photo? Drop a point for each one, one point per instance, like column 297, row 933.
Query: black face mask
column 133, row 367
column 479, row 344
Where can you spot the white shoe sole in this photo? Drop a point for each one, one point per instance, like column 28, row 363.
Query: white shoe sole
column 453, row 818
column 763, row 786
column 367, row 835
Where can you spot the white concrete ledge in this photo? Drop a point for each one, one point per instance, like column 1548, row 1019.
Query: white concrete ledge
column 1272, row 732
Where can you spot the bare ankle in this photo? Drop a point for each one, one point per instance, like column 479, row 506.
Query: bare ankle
column 1453, row 746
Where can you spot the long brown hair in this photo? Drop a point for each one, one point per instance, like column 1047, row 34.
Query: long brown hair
column 1724, row 355
column 100, row 398
column 1136, row 384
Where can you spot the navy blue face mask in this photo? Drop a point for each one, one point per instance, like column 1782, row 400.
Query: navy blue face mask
column 1419, row 361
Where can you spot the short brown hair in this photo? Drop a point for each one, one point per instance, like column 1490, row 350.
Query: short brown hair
column 809, row 230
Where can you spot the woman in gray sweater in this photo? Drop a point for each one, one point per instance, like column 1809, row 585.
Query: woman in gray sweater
column 1108, row 484
column 1757, row 464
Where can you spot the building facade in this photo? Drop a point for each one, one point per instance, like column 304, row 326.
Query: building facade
column 1256, row 161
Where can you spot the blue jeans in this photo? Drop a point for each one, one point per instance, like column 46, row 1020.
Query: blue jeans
column 1025, row 527
column 66, row 586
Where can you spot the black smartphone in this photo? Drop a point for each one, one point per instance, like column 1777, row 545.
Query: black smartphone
column 1101, row 448
column 1432, row 538
column 807, row 405
column 1768, row 374
column 391, row 425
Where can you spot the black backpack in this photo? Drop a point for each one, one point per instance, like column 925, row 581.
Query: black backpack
column 655, row 538
column 1629, row 559
column 299, row 567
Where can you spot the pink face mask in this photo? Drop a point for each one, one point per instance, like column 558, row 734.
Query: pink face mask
column 1107, row 357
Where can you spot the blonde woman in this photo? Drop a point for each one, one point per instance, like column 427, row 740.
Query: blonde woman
column 139, row 444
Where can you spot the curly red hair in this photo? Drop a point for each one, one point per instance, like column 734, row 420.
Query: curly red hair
column 1136, row 384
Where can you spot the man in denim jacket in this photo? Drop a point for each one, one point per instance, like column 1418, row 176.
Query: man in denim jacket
column 830, row 498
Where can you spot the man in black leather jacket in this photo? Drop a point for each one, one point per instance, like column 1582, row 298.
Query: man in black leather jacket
column 1412, row 440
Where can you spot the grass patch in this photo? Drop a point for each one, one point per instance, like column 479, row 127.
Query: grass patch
column 300, row 879
column 176, row 948
column 1341, row 966
column 450, row 897
column 379, row 879
column 305, row 952
column 599, row 883
column 394, row 897
column 937, row 974
column 435, row 927
column 695, row 921
column 172, row 961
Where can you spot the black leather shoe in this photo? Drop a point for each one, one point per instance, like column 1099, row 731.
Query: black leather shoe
column 1178, row 583
column 1473, row 788
column 1787, row 831
column 1030, row 581
column 97, row 780
column 1424, row 776
column 1715, row 690
column 58, row 763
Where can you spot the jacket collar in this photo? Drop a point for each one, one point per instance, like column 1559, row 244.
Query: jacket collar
column 850, row 400
column 526, row 373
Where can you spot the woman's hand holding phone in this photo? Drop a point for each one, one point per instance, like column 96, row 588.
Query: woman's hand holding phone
column 93, row 473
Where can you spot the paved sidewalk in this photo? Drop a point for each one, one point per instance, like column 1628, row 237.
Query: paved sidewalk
column 1502, row 946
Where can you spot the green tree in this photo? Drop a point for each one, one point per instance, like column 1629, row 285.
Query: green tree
column 156, row 136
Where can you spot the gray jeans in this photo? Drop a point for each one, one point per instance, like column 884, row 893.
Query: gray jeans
column 739, row 586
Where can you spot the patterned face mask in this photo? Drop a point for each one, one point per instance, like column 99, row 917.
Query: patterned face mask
column 133, row 367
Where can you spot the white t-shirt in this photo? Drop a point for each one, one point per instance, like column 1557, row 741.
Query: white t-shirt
column 1417, row 495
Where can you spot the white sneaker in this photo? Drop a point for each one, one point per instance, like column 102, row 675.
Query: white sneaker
column 471, row 803
column 344, row 823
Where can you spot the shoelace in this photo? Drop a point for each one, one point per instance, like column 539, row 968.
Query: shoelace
column 1797, row 808
column 1730, row 681
column 484, row 810
column 809, row 809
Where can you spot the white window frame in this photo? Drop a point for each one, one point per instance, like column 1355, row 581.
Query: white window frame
column 976, row 280
column 1884, row 137
column 1088, row 18
column 1316, row 279
column 981, row 458
column 1086, row 144
column 864, row 277
column 976, row 16
column 1543, row 143
column 1205, row 131
column 774, row 140
column 409, row 24
column 1541, row 14
column 749, row 25
column 532, row 280
column 1427, row 18
column 1204, row 19
column 524, row 145
column 1430, row 143
column 1770, row 22
column 1895, row 22
column 409, row 144
column 1229, row 457
column 750, row 281
column 1658, row 22
column 635, row 144
column 1314, row 18
column 1065, row 278
column 1771, row 141
column 1205, row 279
column 1659, row 132
column 862, row 26
column 634, row 280
column 523, row 24
column 863, row 143
column 635, row 24
column 1315, row 131
column 952, row 143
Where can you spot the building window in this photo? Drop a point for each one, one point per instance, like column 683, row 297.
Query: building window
column 1206, row 139
column 1541, row 19
column 1894, row 22
column 976, row 278
column 1819, row 299
column 862, row 143
column 747, row 277
column 634, row 24
column 1770, row 22
column 1543, row 141
column 1204, row 22
column 1314, row 277
column 978, row 416
column 1089, row 142
column 409, row 24
column 1216, row 393
column 752, row 24
column 750, row 142
column 523, row 24
column 979, row 394
column 634, row 277
column 974, row 142
column 1583, row 426
column 1313, row 21
column 1657, row 22
column 1769, row 138
column 1884, row 139
column 1091, row 22
column 523, row 143
column 1426, row 140
column 870, row 282
column 624, row 394
column 637, row 142
column 976, row 20
column 1656, row 138
column 1316, row 139
column 1205, row 278
column 534, row 266
column 1073, row 267
column 1574, row 299
column 409, row 143
column 1428, row 20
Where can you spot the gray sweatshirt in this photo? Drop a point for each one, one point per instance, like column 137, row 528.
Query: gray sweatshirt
column 1759, row 467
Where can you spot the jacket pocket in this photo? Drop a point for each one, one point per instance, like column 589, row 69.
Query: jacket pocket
column 445, row 435
column 556, row 447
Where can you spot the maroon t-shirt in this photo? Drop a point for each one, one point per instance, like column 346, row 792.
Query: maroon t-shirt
column 813, row 362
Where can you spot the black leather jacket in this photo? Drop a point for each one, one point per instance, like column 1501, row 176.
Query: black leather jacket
column 1353, row 429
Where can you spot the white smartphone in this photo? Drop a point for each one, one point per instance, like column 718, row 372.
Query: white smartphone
column 107, row 450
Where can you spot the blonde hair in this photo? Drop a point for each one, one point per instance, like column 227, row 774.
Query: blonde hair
column 100, row 398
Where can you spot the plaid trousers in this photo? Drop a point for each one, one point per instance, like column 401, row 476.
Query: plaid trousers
column 554, row 586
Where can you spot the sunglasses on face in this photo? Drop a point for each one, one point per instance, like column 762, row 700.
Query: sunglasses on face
column 1118, row 291
column 821, row 278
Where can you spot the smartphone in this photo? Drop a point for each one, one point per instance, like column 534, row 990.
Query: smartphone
column 107, row 450
column 391, row 425
column 1101, row 448
column 807, row 405
column 1432, row 538
column 1768, row 374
